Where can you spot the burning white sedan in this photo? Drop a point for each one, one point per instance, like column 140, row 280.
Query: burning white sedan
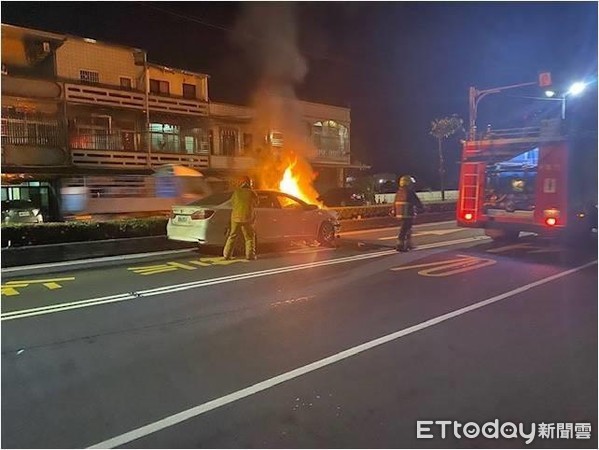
column 279, row 217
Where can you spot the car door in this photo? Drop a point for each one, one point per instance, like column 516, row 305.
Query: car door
column 293, row 216
column 268, row 211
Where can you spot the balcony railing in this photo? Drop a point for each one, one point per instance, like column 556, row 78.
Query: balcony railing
column 32, row 133
column 547, row 129
column 138, row 141
column 113, row 96
column 129, row 160
column 128, row 149
column 332, row 155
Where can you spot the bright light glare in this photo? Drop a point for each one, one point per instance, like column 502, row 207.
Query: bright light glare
column 468, row 216
column 551, row 221
column 576, row 88
column 549, row 94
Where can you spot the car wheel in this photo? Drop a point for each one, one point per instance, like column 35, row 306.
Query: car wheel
column 326, row 235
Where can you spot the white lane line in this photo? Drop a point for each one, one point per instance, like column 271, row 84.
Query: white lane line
column 375, row 230
column 8, row 270
column 287, row 376
column 22, row 314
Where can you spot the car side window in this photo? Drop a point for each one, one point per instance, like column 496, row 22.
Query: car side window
column 289, row 203
column 267, row 201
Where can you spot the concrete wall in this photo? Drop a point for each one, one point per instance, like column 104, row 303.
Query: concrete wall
column 176, row 78
column 111, row 62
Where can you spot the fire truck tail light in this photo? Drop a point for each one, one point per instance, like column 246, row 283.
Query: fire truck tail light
column 551, row 216
column 468, row 216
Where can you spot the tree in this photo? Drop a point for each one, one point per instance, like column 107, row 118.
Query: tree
column 442, row 129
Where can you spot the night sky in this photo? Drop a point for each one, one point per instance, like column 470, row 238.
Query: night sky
column 397, row 65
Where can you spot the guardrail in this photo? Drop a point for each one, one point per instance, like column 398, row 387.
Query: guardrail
column 425, row 196
column 382, row 210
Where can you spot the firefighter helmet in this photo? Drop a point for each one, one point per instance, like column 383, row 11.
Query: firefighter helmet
column 245, row 181
column 406, row 180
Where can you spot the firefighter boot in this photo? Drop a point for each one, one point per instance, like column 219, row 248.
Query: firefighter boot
column 402, row 246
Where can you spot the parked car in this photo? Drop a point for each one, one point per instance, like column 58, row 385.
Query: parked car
column 20, row 211
column 279, row 217
column 343, row 197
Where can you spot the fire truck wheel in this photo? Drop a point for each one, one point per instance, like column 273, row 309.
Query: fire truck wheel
column 502, row 235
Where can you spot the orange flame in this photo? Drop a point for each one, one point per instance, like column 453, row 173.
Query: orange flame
column 298, row 183
column 290, row 184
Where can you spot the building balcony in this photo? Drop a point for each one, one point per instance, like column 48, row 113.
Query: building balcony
column 96, row 94
column 332, row 156
column 127, row 150
column 103, row 95
column 28, row 143
column 23, row 87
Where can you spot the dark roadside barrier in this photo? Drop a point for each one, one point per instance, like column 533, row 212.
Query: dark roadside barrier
column 384, row 222
column 54, row 242
column 49, row 253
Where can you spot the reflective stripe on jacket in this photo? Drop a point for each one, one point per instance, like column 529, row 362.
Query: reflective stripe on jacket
column 405, row 203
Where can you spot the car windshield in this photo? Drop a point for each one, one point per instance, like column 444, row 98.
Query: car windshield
column 213, row 200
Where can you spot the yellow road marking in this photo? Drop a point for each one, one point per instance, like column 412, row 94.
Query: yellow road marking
column 217, row 261
column 449, row 267
column 10, row 288
column 9, row 291
column 529, row 247
column 505, row 248
column 173, row 266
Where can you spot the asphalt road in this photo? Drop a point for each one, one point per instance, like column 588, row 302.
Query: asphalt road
column 308, row 347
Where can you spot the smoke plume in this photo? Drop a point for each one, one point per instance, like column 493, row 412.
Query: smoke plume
column 268, row 34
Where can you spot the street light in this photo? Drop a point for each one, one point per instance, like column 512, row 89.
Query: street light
column 576, row 88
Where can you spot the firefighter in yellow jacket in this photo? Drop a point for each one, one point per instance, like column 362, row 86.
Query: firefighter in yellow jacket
column 405, row 206
column 243, row 202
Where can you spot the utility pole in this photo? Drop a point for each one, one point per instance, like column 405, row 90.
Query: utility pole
column 147, row 108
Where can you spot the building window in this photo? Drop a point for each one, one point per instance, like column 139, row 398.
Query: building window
column 165, row 138
column 126, row 83
column 228, row 141
column 330, row 138
column 89, row 76
column 159, row 87
column 189, row 90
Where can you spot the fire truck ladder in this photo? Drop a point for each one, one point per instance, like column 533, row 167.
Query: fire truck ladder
column 470, row 189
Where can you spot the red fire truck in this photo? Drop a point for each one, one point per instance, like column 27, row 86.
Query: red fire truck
column 525, row 180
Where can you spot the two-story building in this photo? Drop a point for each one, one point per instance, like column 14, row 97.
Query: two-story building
column 234, row 141
column 74, row 108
